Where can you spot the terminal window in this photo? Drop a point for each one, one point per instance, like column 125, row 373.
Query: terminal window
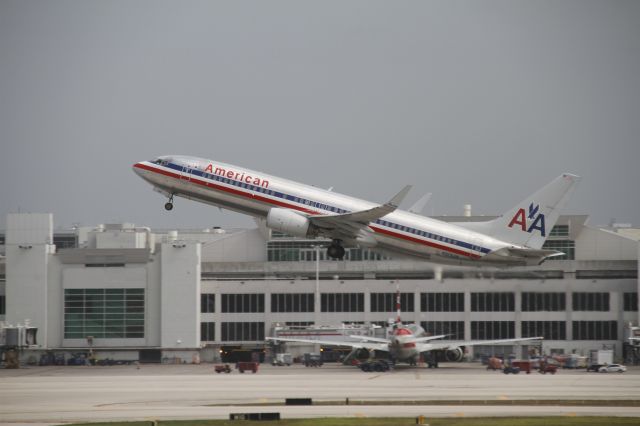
column 453, row 330
column 550, row 330
column 630, row 302
column 292, row 302
column 442, row 302
column 2, row 304
column 207, row 303
column 493, row 302
column 386, row 302
column 242, row 331
column 559, row 231
column 207, row 331
column 490, row 330
column 539, row 301
column 342, row 302
column 595, row 330
column 568, row 247
column 114, row 313
column 242, row 303
column 590, row 302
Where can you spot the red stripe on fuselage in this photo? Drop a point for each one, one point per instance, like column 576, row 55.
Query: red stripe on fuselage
column 302, row 209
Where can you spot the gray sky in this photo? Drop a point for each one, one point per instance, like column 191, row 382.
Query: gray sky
column 479, row 102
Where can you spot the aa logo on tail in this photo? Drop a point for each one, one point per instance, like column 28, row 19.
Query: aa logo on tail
column 537, row 220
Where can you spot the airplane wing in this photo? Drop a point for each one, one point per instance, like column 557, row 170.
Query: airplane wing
column 457, row 343
column 426, row 339
column 371, row 339
column 418, row 206
column 356, row 345
column 350, row 224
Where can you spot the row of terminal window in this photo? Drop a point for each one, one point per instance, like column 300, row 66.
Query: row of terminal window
column 453, row 330
column 429, row 302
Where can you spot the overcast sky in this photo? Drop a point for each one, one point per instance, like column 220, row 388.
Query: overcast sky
column 478, row 102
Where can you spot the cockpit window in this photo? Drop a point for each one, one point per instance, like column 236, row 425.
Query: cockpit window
column 158, row 161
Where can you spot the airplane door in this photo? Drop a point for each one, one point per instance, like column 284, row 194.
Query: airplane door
column 187, row 176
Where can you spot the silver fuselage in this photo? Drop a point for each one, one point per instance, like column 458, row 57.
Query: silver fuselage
column 255, row 193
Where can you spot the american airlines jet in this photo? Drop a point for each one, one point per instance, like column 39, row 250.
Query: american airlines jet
column 408, row 342
column 513, row 239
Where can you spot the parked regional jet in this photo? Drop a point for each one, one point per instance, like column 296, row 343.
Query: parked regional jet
column 407, row 342
column 513, row 239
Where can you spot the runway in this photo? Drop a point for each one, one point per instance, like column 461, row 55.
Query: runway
column 46, row 395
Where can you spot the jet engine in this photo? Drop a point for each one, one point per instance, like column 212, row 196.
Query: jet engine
column 289, row 222
column 454, row 354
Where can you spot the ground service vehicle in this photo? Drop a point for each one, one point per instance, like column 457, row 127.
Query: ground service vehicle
column 222, row 368
column 247, row 366
column 612, row 368
column 377, row 365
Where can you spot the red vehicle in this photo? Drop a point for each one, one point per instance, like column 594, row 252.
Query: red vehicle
column 247, row 366
column 547, row 368
column 222, row 368
column 522, row 365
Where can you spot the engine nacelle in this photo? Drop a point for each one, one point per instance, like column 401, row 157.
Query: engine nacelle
column 454, row 354
column 289, row 222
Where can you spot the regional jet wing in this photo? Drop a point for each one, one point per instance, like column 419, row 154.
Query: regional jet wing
column 350, row 224
column 356, row 345
column 416, row 340
column 370, row 339
column 422, row 347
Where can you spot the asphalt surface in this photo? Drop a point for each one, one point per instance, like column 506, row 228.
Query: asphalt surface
column 49, row 395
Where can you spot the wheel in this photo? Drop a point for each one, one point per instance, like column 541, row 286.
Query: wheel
column 168, row 206
column 335, row 251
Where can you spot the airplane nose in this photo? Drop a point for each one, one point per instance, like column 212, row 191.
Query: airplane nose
column 137, row 168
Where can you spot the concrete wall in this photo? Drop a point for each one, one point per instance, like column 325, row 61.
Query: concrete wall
column 180, row 295
column 28, row 247
column 598, row 244
column 247, row 245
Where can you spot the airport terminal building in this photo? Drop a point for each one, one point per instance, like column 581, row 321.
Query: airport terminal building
column 153, row 295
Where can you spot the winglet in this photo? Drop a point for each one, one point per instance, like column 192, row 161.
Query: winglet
column 418, row 206
column 395, row 201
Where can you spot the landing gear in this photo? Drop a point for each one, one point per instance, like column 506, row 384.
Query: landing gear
column 169, row 204
column 335, row 250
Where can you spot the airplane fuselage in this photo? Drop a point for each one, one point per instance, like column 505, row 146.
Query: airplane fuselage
column 255, row 193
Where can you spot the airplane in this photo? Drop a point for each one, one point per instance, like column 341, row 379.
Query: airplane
column 407, row 343
column 513, row 239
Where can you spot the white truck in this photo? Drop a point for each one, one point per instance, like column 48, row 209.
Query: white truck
column 599, row 358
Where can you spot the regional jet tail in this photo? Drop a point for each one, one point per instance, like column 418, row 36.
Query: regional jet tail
column 305, row 211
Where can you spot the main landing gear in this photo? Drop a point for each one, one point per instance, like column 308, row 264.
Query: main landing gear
column 335, row 250
column 169, row 204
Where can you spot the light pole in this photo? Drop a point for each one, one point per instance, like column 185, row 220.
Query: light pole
column 316, row 308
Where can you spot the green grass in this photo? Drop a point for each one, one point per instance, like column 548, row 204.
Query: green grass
column 353, row 421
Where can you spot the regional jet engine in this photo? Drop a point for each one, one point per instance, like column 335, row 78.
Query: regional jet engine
column 454, row 354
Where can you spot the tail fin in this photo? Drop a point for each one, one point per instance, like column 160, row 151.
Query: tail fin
column 528, row 223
